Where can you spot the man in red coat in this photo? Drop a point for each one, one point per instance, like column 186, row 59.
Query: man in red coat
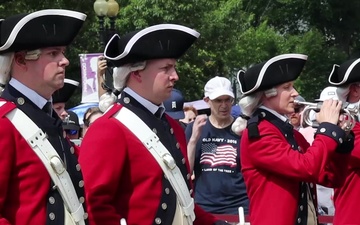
column 346, row 198
column 124, row 180
column 32, row 50
column 279, row 167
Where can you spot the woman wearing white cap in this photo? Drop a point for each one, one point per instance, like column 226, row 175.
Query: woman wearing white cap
column 279, row 166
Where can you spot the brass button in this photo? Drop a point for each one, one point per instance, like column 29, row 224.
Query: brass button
column 81, row 183
column 81, row 199
column 78, row 167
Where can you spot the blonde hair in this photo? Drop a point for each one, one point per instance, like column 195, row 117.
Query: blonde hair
column 120, row 77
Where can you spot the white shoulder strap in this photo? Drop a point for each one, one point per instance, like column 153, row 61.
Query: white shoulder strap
column 38, row 141
column 163, row 157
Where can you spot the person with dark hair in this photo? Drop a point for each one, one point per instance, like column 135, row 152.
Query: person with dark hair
column 146, row 179
column 86, row 118
column 190, row 114
column 346, row 79
column 280, row 168
column 40, row 178
column 62, row 96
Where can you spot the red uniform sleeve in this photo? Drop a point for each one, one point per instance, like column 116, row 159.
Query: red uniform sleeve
column 334, row 172
column 273, row 154
column 7, row 158
column 102, row 157
column 354, row 162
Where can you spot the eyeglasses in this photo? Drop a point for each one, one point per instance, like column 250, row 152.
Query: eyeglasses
column 226, row 100
column 71, row 132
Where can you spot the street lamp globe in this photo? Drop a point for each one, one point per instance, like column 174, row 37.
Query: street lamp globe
column 101, row 8
column 113, row 8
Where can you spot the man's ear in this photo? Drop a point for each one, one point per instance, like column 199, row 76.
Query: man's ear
column 19, row 59
column 136, row 75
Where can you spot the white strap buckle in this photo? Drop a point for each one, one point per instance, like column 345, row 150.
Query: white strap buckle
column 57, row 164
column 169, row 161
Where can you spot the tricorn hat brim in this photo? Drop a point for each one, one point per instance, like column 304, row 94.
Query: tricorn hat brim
column 40, row 29
column 155, row 42
column 278, row 70
column 346, row 73
column 65, row 93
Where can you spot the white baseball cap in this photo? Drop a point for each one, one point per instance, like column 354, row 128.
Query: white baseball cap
column 217, row 87
column 336, row 93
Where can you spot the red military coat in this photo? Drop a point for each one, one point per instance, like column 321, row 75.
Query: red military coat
column 24, row 180
column 272, row 171
column 122, row 179
column 347, row 197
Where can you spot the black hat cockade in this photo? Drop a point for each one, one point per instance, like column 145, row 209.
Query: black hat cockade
column 40, row 29
column 277, row 70
column 348, row 72
column 155, row 42
column 65, row 93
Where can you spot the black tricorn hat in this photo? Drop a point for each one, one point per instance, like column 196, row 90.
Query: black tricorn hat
column 155, row 42
column 65, row 93
column 277, row 70
column 40, row 29
column 346, row 73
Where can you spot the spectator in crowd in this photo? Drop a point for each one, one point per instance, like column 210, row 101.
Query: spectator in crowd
column 102, row 69
column 86, row 118
column 174, row 106
column 190, row 114
column 61, row 96
column 135, row 184
column 214, row 153
column 71, row 125
column 94, row 116
column 279, row 166
column 32, row 50
column 295, row 117
column 346, row 77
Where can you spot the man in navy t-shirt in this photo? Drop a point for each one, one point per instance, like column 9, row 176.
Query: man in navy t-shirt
column 214, row 154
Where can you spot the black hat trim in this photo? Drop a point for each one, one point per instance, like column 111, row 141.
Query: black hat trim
column 65, row 93
column 144, row 32
column 34, row 15
column 335, row 69
column 265, row 67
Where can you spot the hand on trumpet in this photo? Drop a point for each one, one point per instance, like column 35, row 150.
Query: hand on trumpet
column 329, row 112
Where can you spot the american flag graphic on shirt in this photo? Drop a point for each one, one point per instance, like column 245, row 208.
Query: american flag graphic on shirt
column 214, row 155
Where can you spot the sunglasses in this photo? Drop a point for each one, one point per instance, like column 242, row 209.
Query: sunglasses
column 71, row 132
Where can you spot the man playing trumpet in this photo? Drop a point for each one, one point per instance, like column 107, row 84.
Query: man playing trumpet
column 347, row 79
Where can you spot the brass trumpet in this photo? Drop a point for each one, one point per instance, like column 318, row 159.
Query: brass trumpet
column 349, row 111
